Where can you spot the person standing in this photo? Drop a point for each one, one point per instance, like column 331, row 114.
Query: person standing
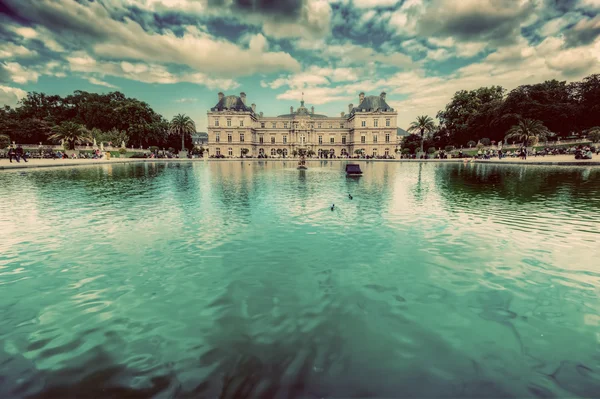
column 20, row 153
column 12, row 154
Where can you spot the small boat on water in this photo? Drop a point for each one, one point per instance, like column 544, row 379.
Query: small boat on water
column 353, row 169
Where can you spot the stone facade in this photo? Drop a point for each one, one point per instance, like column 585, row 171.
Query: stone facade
column 235, row 128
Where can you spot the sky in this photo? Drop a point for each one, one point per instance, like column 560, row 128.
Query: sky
column 176, row 55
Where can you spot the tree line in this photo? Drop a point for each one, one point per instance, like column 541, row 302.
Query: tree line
column 82, row 116
column 528, row 113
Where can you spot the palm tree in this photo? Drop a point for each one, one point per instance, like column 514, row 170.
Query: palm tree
column 71, row 133
column 528, row 130
column 182, row 124
column 423, row 124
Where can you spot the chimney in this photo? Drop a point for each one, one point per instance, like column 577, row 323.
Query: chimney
column 312, row 110
column 361, row 97
column 382, row 95
column 221, row 95
column 342, row 114
column 350, row 106
column 261, row 114
column 291, row 110
column 253, row 107
column 243, row 97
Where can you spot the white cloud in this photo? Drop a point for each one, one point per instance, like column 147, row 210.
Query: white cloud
column 10, row 50
column 19, row 74
column 11, row 95
column 142, row 72
column 374, row 3
column 186, row 100
column 99, row 82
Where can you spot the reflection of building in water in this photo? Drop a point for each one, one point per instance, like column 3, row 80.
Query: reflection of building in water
column 234, row 127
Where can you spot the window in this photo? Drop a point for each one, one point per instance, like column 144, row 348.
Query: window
column 374, row 138
column 319, row 125
column 218, row 151
column 374, row 152
column 216, row 122
column 363, row 139
column 272, row 139
column 387, row 137
column 273, row 125
column 330, row 125
column 217, row 137
column 284, row 139
column 261, row 139
column 229, row 137
column 241, row 122
column 341, row 125
column 230, row 151
column 262, row 125
column 303, row 139
column 332, row 152
column 387, row 123
column 376, row 123
column 228, row 122
column 344, row 152
column 273, row 152
column 332, row 140
column 363, row 123
column 241, row 137
column 320, row 139
column 387, row 152
column 284, row 152
column 261, row 151
column 285, row 125
column 343, row 139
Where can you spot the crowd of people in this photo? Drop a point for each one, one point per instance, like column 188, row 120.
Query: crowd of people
column 18, row 153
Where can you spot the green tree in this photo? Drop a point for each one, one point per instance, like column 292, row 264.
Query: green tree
column 471, row 143
column 183, row 125
column 528, row 131
column 423, row 124
column 71, row 133
column 245, row 151
column 594, row 134
column 4, row 141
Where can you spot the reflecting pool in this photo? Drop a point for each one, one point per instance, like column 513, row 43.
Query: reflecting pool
column 236, row 279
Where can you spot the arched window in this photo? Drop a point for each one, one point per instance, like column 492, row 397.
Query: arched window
column 332, row 151
column 261, row 151
column 285, row 152
column 344, row 152
column 273, row 152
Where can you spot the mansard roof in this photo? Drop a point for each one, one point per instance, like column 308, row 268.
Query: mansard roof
column 372, row 103
column 231, row 103
column 302, row 111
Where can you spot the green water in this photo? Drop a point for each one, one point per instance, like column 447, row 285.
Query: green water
column 235, row 279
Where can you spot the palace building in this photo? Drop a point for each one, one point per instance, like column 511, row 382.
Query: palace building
column 235, row 129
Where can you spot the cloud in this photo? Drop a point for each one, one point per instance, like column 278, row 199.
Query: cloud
column 10, row 50
column 98, row 82
column 186, row 100
column 584, row 32
column 374, row 3
column 143, row 72
column 11, row 95
column 494, row 20
column 126, row 39
column 19, row 74
column 349, row 54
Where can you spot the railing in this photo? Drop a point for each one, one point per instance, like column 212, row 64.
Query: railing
column 518, row 145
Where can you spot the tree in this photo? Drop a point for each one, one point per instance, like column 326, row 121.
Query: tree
column 528, row 131
column 71, row 133
column 592, row 134
column 279, row 151
column 485, row 141
column 471, row 143
column 4, row 141
column 245, row 151
column 423, row 124
column 183, row 125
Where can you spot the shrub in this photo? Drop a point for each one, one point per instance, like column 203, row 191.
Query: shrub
column 431, row 150
column 153, row 148
column 171, row 149
column 406, row 151
column 449, row 148
column 471, row 143
column 480, row 146
column 485, row 141
column 122, row 151
column 4, row 141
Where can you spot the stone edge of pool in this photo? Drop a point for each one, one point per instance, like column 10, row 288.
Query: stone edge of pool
column 72, row 163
